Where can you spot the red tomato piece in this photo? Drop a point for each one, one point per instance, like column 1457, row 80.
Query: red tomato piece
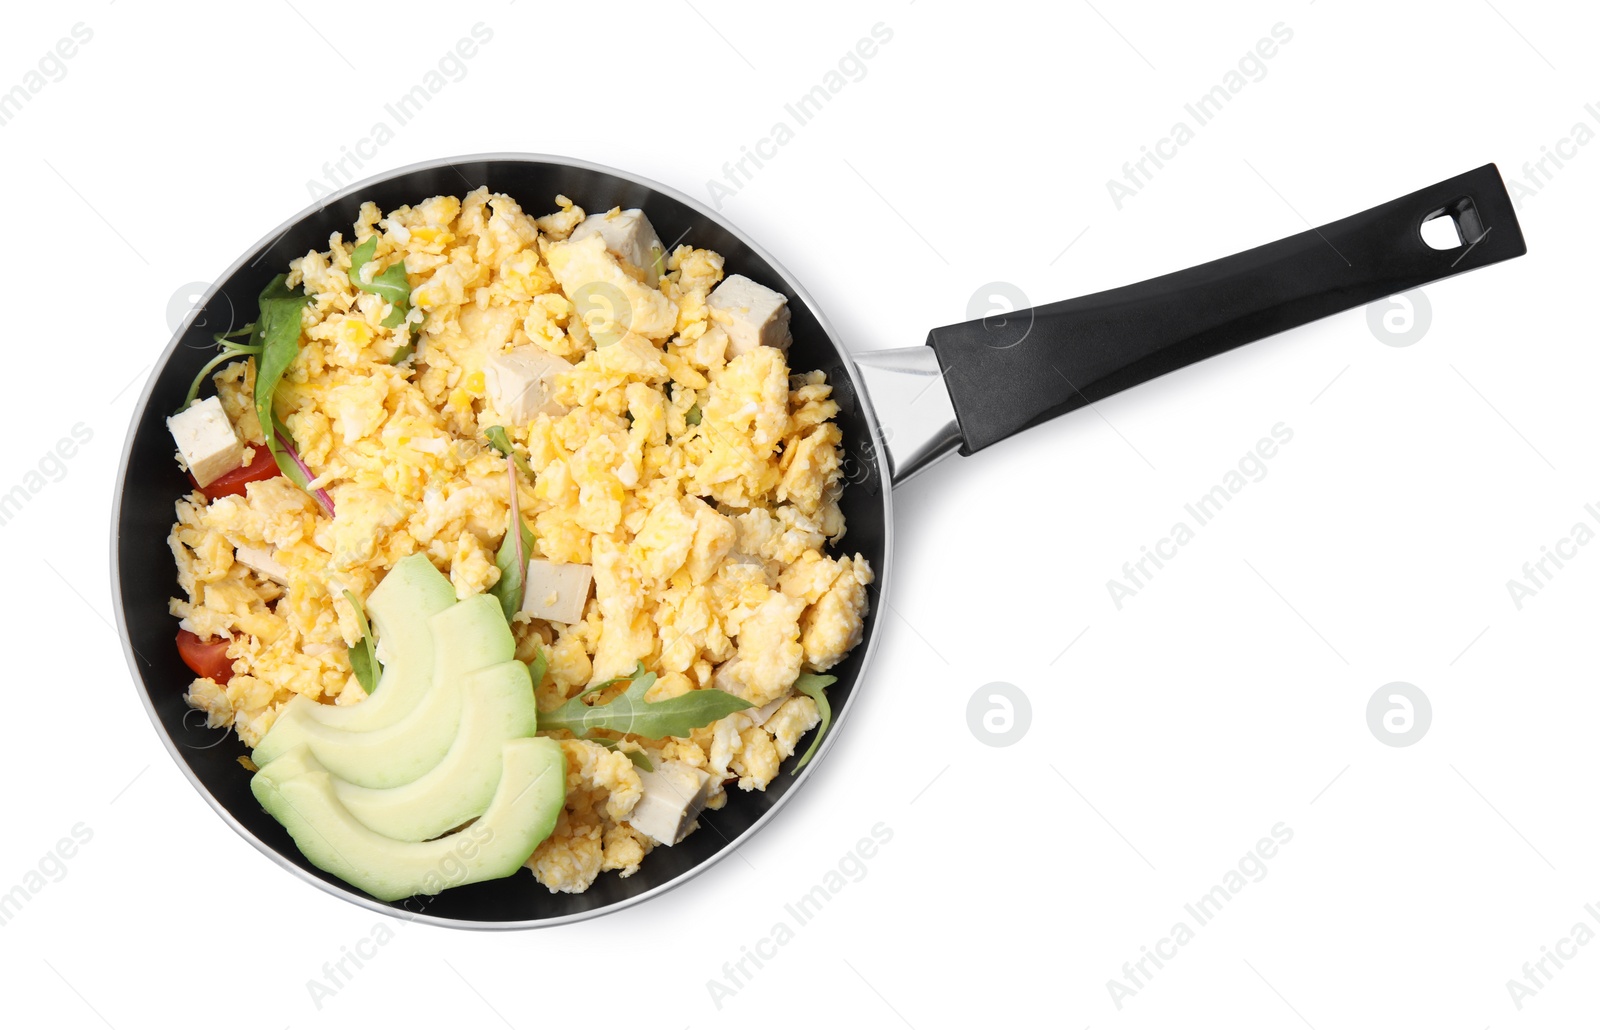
column 206, row 657
column 261, row 467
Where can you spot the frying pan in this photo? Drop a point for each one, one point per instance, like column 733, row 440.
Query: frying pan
column 975, row 383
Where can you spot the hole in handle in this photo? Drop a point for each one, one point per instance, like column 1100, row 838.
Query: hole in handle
column 1451, row 226
column 1439, row 232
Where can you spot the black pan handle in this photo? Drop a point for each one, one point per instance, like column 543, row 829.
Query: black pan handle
column 1007, row 375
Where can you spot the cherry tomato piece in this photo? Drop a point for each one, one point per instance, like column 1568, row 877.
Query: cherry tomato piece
column 261, row 467
column 207, row 658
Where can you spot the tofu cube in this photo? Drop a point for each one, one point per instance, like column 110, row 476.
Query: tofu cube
column 674, row 795
column 206, row 440
column 521, row 383
column 752, row 315
column 557, row 591
column 630, row 237
column 261, row 561
column 759, row 716
column 725, row 677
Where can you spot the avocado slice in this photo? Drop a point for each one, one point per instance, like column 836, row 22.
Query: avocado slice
column 498, row 706
column 400, row 606
column 465, row 637
column 523, row 811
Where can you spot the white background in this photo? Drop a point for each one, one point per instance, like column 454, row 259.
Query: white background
column 1227, row 697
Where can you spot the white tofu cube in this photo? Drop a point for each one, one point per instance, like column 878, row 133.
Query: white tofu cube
column 261, row 561
column 759, row 716
column 521, row 383
column 557, row 591
column 206, row 440
column 674, row 795
column 725, row 677
column 752, row 315
column 628, row 235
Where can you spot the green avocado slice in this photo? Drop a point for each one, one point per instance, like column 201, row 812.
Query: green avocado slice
column 465, row 637
column 522, row 813
column 400, row 607
column 498, row 706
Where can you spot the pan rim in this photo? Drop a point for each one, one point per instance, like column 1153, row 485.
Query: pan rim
column 882, row 576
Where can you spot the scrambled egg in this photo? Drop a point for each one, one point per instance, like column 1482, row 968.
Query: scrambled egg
column 708, row 538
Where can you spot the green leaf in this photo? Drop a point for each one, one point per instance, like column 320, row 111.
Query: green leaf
column 517, row 546
column 280, row 442
column 814, row 686
column 362, row 664
column 230, row 349
column 402, row 353
column 390, row 284
column 364, row 655
column 693, row 417
column 278, row 335
column 291, row 465
column 629, row 712
column 512, row 558
column 205, row 370
column 502, row 443
column 539, row 666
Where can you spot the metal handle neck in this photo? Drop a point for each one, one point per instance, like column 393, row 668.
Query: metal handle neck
column 915, row 414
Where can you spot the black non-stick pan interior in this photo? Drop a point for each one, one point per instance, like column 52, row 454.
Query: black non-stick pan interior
column 146, row 576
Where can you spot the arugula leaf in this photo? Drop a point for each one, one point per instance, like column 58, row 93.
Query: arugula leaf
column 390, row 284
column 512, row 558
column 278, row 335
column 364, row 656
column 404, row 351
column 231, row 351
column 813, row 686
column 539, row 666
column 502, row 443
column 631, row 713
column 296, row 470
column 638, row 670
